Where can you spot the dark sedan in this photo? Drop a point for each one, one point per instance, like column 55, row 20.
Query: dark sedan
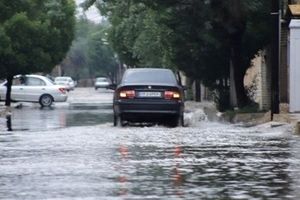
column 149, row 95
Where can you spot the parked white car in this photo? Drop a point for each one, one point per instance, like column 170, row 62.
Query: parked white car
column 66, row 81
column 34, row 88
column 102, row 82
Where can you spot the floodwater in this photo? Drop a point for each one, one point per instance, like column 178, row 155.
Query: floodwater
column 205, row 161
column 38, row 119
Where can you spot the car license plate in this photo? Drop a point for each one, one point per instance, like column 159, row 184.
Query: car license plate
column 149, row 94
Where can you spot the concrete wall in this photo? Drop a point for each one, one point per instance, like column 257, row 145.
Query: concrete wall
column 258, row 76
column 283, row 68
column 294, row 59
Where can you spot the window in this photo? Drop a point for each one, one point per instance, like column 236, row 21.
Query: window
column 31, row 81
column 149, row 76
column 16, row 81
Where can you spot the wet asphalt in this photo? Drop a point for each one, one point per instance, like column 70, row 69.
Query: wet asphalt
column 76, row 153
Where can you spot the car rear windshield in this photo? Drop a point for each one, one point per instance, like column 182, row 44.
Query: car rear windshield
column 62, row 79
column 149, row 76
column 102, row 79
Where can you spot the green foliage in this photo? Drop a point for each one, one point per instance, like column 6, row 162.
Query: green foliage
column 90, row 55
column 134, row 33
column 35, row 35
column 221, row 99
column 101, row 59
column 201, row 38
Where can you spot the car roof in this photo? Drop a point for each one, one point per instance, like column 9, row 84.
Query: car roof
column 44, row 78
column 63, row 77
column 148, row 69
column 30, row 75
column 101, row 77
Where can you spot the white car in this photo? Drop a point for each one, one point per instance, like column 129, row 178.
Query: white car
column 34, row 88
column 65, row 81
column 102, row 82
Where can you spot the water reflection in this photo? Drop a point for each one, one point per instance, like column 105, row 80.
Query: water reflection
column 35, row 119
column 8, row 123
column 106, row 162
column 218, row 172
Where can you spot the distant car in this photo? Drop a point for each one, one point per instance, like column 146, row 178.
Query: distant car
column 149, row 95
column 34, row 88
column 102, row 82
column 66, row 81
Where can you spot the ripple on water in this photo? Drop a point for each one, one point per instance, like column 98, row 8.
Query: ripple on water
column 213, row 161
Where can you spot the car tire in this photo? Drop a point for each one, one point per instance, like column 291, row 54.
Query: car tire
column 46, row 100
column 181, row 121
column 176, row 121
column 118, row 121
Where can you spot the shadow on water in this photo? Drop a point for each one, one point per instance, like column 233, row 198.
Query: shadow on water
column 36, row 119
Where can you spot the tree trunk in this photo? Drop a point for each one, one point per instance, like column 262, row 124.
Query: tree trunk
column 197, row 91
column 8, row 90
column 237, row 23
column 233, row 97
column 238, row 73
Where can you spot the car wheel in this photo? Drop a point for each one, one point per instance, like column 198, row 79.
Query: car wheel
column 181, row 121
column 176, row 121
column 118, row 121
column 46, row 100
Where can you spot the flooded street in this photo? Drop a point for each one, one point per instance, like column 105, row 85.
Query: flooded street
column 212, row 161
column 84, row 107
column 37, row 119
column 74, row 152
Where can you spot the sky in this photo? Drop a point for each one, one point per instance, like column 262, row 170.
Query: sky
column 92, row 13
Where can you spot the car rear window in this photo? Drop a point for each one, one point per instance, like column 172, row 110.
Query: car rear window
column 32, row 81
column 149, row 76
column 102, row 79
column 62, row 79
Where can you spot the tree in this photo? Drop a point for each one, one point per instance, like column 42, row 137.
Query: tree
column 34, row 36
column 245, row 27
column 205, row 39
column 134, row 34
column 75, row 62
column 90, row 54
column 101, row 58
column 212, row 38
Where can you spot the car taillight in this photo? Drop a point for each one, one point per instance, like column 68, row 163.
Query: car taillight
column 62, row 90
column 172, row 95
column 127, row 94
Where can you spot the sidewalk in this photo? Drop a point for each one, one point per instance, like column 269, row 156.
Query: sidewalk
column 254, row 119
column 291, row 118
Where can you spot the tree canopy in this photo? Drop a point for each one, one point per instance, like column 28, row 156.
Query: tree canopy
column 205, row 39
column 35, row 35
column 91, row 54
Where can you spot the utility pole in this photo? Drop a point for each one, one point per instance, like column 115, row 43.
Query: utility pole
column 275, row 58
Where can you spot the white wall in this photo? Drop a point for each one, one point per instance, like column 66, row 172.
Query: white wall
column 294, row 75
